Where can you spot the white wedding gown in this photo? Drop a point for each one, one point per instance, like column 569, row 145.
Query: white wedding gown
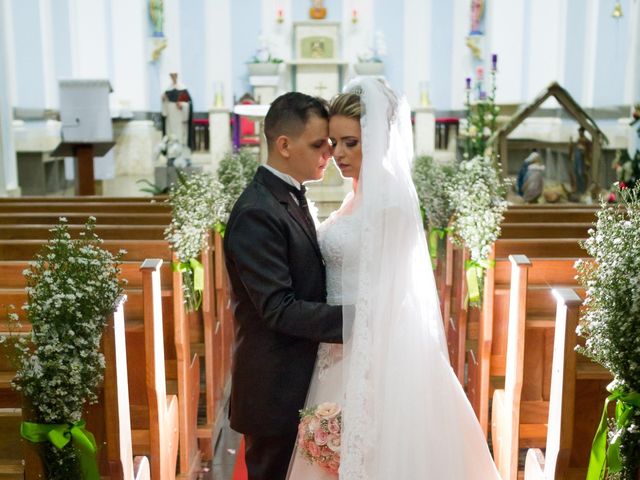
column 435, row 435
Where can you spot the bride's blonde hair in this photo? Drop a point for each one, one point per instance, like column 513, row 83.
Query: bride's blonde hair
column 346, row 104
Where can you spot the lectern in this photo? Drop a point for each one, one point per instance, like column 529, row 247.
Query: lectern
column 86, row 127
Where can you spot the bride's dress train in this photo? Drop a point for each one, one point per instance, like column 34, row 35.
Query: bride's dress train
column 431, row 432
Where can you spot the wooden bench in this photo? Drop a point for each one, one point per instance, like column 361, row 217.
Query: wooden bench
column 520, row 410
column 182, row 365
column 108, row 420
column 106, row 232
column 83, row 199
column 210, row 338
column 96, row 207
column 80, row 218
column 578, row 391
column 489, row 351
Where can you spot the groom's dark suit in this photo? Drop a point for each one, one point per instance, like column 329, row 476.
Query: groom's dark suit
column 278, row 284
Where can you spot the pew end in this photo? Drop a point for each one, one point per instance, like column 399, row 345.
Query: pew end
column 534, row 465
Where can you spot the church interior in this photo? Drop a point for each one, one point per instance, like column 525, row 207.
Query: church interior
column 109, row 107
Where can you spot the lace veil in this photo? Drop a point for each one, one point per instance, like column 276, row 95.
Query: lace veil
column 397, row 311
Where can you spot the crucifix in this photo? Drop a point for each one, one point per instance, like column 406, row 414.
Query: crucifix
column 320, row 87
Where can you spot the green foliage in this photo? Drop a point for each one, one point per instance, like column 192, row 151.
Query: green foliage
column 611, row 312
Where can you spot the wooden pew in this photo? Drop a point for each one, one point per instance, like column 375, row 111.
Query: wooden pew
column 520, row 410
column 184, row 370
column 578, row 391
column 106, row 232
column 155, row 428
column 83, row 199
column 80, row 218
column 544, row 230
column 108, row 420
column 489, row 352
column 97, row 207
column 211, row 339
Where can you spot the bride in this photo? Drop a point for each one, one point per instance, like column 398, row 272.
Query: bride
column 404, row 413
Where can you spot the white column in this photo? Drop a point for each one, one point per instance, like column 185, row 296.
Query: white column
column 50, row 79
column 8, row 165
column 128, row 27
column 88, row 39
column 632, row 80
column 417, row 18
column 218, row 60
column 462, row 65
column 590, row 51
column 505, row 24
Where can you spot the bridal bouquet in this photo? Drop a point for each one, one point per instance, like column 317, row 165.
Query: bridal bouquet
column 319, row 435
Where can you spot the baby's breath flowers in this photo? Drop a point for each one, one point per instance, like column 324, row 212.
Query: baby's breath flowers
column 610, row 319
column 478, row 195
column 72, row 286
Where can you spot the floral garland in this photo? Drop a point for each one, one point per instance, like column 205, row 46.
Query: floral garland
column 235, row 172
column 431, row 179
column 197, row 206
column 478, row 195
column 72, row 286
column 612, row 330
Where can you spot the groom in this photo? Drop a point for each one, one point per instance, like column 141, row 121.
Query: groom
column 277, row 277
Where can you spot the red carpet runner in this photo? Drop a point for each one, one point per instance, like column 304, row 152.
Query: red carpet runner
column 240, row 470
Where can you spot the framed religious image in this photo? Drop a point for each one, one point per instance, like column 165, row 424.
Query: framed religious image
column 316, row 40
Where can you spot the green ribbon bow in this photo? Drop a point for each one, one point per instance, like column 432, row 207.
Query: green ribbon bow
column 220, row 228
column 605, row 458
column 196, row 267
column 434, row 234
column 60, row 435
column 474, row 271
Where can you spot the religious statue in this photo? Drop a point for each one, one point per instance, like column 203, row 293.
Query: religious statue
column 477, row 12
column 530, row 183
column 580, row 155
column 317, row 11
column 156, row 15
column 177, row 115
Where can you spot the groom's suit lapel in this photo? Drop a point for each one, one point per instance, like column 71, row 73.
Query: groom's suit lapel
column 281, row 191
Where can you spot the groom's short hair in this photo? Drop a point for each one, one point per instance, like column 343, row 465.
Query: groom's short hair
column 289, row 113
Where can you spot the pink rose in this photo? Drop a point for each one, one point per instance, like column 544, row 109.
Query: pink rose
column 313, row 449
column 327, row 410
column 320, row 437
column 334, row 426
column 333, row 442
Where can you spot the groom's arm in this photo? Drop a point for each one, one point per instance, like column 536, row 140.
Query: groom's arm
column 257, row 248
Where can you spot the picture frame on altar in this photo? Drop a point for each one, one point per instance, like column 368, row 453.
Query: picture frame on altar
column 316, row 40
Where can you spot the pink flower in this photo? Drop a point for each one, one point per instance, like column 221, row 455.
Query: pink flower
column 334, row 426
column 333, row 442
column 314, row 424
column 327, row 410
column 313, row 449
column 320, row 437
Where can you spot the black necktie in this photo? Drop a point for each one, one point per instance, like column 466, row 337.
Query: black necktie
column 302, row 201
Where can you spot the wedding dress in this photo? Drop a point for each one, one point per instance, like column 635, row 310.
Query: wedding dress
column 405, row 415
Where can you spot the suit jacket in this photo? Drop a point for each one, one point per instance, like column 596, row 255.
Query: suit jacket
column 278, row 284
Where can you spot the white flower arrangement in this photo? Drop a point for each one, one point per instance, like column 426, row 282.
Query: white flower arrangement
column 197, row 206
column 478, row 194
column 431, row 180
column 235, row 171
column 72, row 286
column 610, row 319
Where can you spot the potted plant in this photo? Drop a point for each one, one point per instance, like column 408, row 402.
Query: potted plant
column 263, row 62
